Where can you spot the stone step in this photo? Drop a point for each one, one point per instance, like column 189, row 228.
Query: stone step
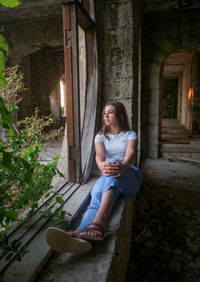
column 191, row 147
column 181, row 155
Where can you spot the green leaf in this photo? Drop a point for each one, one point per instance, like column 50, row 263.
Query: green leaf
column 2, row 80
column 11, row 214
column 3, row 43
column 7, row 157
column 60, row 200
column 47, row 195
column 10, row 3
column 2, row 63
column 6, row 117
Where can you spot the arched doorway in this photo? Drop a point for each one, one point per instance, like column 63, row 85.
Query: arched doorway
column 179, row 105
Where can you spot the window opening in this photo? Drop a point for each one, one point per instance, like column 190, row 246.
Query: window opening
column 62, row 98
column 170, row 99
column 82, row 74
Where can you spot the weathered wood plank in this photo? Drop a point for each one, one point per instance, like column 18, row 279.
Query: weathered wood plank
column 75, row 153
column 36, row 223
column 41, row 203
column 68, row 73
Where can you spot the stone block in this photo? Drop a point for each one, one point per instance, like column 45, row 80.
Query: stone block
column 195, row 156
column 155, row 79
column 118, row 88
column 153, row 109
column 117, row 14
column 185, row 34
column 195, row 145
column 152, row 153
column 118, row 63
column 118, row 38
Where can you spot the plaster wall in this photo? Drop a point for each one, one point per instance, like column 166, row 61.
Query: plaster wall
column 163, row 32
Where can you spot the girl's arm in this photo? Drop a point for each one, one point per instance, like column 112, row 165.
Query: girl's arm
column 102, row 164
column 131, row 150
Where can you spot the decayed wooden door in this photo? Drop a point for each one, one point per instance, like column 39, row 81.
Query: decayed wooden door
column 75, row 14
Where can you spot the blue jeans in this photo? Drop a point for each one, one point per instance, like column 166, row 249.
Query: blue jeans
column 127, row 184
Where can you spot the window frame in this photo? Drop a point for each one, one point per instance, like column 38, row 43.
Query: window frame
column 75, row 14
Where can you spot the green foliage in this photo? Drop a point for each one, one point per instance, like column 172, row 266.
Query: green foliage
column 39, row 125
column 23, row 178
column 6, row 117
column 2, row 66
column 14, row 86
column 10, row 3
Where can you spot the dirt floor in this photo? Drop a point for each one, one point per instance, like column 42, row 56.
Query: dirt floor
column 166, row 236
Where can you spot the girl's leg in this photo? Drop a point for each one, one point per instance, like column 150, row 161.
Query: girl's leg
column 103, row 196
column 96, row 196
column 129, row 183
column 103, row 213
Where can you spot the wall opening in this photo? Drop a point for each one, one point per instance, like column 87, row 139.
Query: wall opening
column 179, row 120
column 62, row 97
column 170, row 98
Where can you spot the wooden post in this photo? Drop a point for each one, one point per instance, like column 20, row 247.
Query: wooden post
column 70, row 29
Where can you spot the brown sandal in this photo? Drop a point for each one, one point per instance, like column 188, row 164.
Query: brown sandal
column 60, row 241
column 97, row 228
column 73, row 234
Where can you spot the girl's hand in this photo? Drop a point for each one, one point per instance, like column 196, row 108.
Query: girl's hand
column 119, row 168
column 106, row 168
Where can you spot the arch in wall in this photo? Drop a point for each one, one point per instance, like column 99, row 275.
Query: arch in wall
column 25, row 38
column 179, row 102
column 166, row 37
column 42, row 72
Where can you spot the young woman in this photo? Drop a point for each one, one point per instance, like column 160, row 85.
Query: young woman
column 115, row 147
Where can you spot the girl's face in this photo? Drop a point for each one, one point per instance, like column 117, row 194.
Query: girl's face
column 110, row 118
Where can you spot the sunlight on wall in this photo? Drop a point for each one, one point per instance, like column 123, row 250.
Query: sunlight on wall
column 190, row 94
column 62, row 103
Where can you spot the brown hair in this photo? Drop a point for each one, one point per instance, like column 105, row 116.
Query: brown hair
column 121, row 115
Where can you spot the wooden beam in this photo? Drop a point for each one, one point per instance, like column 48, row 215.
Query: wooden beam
column 71, row 51
column 75, row 153
column 68, row 73
column 84, row 19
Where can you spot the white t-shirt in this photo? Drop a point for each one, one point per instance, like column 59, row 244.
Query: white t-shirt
column 116, row 145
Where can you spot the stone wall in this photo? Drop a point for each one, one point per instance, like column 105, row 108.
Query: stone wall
column 163, row 32
column 28, row 39
column 115, row 37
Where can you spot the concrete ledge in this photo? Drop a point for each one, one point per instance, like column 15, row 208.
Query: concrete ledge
column 108, row 259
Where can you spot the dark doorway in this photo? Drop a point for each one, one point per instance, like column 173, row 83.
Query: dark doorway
column 179, row 114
